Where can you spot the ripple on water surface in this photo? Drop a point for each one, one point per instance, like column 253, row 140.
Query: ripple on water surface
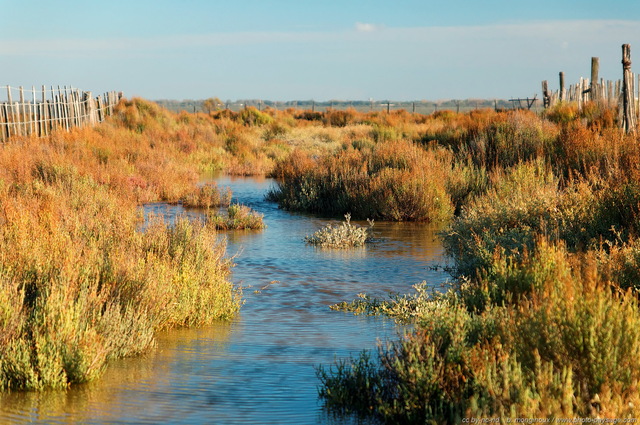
column 258, row 369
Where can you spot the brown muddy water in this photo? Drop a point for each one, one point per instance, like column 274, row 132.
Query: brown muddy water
column 259, row 368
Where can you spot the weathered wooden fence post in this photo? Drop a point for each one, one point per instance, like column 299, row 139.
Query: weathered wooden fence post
column 594, row 92
column 638, row 97
column 55, row 109
column 65, row 107
column 44, row 117
column 3, row 124
column 4, row 118
column 9, row 113
column 561, row 93
column 628, row 117
column 22, row 113
column 16, row 116
column 546, row 96
column 33, row 122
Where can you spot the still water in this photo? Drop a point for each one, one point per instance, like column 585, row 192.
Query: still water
column 259, row 368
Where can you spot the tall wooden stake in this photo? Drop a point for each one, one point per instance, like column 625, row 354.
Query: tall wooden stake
column 594, row 92
column 546, row 96
column 628, row 117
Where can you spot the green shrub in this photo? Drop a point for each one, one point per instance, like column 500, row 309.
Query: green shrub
column 274, row 131
column 344, row 235
column 383, row 133
column 251, row 116
column 528, row 201
column 465, row 182
column 521, row 203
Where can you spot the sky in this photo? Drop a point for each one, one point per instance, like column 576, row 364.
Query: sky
column 314, row 50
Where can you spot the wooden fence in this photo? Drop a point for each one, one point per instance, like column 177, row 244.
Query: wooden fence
column 606, row 91
column 624, row 93
column 50, row 109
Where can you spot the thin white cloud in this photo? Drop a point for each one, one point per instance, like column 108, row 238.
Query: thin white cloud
column 364, row 27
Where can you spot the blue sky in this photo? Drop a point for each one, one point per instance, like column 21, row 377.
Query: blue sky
column 322, row 50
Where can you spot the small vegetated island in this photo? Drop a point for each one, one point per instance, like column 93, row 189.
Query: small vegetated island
column 238, row 217
column 344, row 235
column 540, row 217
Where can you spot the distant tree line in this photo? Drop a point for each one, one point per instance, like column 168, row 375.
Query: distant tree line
column 419, row 106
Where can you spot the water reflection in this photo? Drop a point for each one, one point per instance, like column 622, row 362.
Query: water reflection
column 144, row 388
column 259, row 368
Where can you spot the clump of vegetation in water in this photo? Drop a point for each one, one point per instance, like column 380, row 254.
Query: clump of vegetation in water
column 344, row 235
column 404, row 308
column 237, row 217
column 207, row 196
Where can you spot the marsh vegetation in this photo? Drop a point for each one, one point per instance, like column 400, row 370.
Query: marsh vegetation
column 542, row 319
column 539, row 217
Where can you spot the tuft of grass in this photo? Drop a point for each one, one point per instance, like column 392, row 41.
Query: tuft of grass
column 344, row 235
column 407, row 308
column 237, row 217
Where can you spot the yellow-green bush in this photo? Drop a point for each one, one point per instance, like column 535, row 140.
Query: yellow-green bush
column 548, row 354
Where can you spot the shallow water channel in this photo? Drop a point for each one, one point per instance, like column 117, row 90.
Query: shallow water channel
column 259, row 368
